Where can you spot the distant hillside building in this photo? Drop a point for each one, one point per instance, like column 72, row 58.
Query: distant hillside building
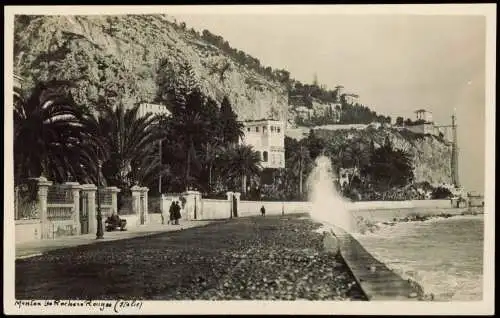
column 155, row 109
column 304, row 112
column 424, row 115
column 267, row 137
column 426, row 125
column 339, row 89
column 351, row 99
column 423, row 128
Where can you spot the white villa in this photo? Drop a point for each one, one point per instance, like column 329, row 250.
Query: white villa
column 267, row 137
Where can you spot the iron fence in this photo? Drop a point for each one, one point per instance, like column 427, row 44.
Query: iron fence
column 26, row 201
column 60, row 212
column 59, row 194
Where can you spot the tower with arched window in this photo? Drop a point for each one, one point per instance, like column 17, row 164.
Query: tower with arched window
column 267, row 137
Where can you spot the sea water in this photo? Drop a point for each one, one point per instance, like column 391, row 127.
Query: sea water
column 444, row 255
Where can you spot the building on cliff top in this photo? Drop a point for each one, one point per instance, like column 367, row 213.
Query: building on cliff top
column 426, row 125
column 304, row 112
column 350, row 99
column 424, row 115
column 267, row 137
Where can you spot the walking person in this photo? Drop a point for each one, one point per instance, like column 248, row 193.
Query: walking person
column 177, row 212
column 171, row 212
column 263, row 211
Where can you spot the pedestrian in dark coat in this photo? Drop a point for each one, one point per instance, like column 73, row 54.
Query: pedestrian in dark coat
column 177, row 214
column 171, row 212
column 263, row 211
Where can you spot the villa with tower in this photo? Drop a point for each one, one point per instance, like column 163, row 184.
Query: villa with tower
column 267, row 137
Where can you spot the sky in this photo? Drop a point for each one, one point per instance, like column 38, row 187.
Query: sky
column 395, row 63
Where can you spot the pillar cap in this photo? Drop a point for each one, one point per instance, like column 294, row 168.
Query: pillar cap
column 88, row 187
column 136, row 188
column 73, row 185
column 43, row 181
column 114, row 189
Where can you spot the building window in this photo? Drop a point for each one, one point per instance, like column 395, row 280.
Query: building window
column 257, row 129
column 248, row 129
column 264, row 155
column 272, row 128
column 278, row 130
column 260, row 155
column 264, row 128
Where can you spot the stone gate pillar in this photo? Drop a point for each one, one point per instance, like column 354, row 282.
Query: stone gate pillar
column 145, row 191
column 114, row 198
column 192, row 209
column 229, row 195
column 43, row 189
column 90, row 190
column 237, row 196
column 136, row 198
column 164, row 208
column 75, row 190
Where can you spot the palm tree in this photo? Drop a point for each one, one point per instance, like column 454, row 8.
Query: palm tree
column 192, row 125
column 210, row 155
column 148, row 167
column 53, row 136
column 299, row 160
column 241, row 161
column 357, row 153
column 129, row 140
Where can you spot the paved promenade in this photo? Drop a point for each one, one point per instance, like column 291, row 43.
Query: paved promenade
column 266, row 258
column 34, row 248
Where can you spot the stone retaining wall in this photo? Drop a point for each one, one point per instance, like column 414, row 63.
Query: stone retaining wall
column 215, row 209
column 28, row 230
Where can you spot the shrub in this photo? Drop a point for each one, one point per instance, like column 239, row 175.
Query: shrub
column 441, row 193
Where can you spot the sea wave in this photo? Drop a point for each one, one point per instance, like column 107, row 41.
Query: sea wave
column 443, row 255
column 438, row 285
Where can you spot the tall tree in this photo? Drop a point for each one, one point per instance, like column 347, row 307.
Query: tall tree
column 315, row 145
column 232, row 130
column 358, row 154
column 300, row 159
column 53, row 136
column 129, row 139
column 243, row 162
column 389, row 167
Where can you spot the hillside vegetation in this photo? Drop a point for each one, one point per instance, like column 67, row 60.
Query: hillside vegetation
column 431, row 156
column 132, row 58
column 124, row 60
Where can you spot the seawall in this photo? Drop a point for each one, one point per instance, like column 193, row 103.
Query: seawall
column 375, row 279
column 380, row 211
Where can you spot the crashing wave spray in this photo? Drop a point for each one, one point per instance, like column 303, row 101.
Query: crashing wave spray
column 327, row 206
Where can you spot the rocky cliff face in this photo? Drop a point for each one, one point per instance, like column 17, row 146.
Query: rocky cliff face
column 122, row 57
column 431, row 155
column 125, row 58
